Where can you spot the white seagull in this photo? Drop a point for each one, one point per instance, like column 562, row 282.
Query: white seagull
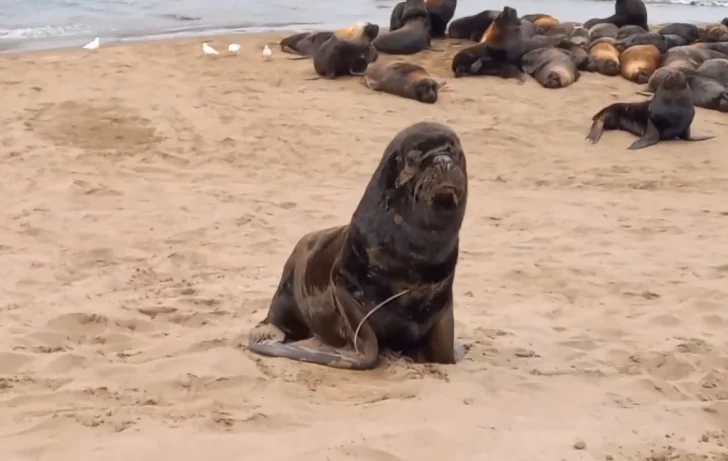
column 267, row 53
column 234, row 48
column 207, row 49
column 93, row 44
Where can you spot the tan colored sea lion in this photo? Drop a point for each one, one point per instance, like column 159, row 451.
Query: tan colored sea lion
column 541, row 21
column 668, row 115
column 639, row 62
column 403, row 79
column 605, row 57
column 714, row 33
column 551, row 67
column 385, row 280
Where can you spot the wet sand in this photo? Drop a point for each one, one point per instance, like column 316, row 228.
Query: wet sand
column 150, row 196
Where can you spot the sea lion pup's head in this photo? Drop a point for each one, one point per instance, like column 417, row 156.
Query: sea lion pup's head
column 714, row 33
column 362, row 30
column 674, row 80
column 425, row 89
column 422, row 178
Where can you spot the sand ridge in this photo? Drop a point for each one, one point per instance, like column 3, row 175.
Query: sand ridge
column 150, row 196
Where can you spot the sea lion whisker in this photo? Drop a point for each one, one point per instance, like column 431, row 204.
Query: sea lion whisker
column 376, row 308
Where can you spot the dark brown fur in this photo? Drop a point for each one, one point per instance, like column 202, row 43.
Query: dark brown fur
column 626, row 13
column 667, row 116
column 412, row 32
column 472, row 27
column 440, row 13
column 402, row 238
column 498, row 54
column 338, row 58
column 306, row 43
column 403, row 79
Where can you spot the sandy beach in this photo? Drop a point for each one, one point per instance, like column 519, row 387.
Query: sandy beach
column 150, row 196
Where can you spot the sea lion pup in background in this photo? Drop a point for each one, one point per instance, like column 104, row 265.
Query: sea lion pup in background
column 440, row 13
column 338, row 58
column 551, row 67
column 472, row 27
column 667, row 116
column 603, row 31
column 708, row 93
column 714, row 33
column 639, row 62
column 628, row 31
column 662, row 42
column 579, row 36
column 403, row 79
column 412, row 37
column 498, row 54
column 688, row 32
column 626, row 13
column 605, row 57
column 716, row 69
column 385, row 280
column 541, row 21
column 307, row 43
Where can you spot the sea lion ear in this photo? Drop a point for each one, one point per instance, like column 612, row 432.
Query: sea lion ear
column 407, row 166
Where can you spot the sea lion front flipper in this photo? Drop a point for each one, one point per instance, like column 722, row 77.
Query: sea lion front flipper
column 430, row 48
column 298, row 58
column 313, row 78
column 439, row 344
column 650, row 138
column 644, row 93
column 370, row 83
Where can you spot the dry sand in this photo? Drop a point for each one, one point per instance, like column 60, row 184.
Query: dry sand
column 150, row 196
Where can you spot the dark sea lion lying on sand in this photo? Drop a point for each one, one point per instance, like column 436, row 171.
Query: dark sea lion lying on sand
column 403, row 79
column 385, row 280
column 667, row 116
column 688, row 32
column 306, row 44
column 551, row 67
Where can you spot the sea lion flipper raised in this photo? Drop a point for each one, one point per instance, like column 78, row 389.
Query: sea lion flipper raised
column 650, row 138
column 596, row 130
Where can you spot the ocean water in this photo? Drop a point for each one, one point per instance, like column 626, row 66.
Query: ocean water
column 28, row 24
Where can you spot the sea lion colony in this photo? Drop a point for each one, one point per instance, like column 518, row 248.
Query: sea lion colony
column 502, row 44
column 383, row 282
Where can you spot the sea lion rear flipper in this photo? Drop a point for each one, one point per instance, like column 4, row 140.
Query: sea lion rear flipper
column 650, row 138
column 312, row 78
column 686, row 136
column 595, row 133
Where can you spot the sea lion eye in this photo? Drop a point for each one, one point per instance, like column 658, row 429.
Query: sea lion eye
column 413, row 157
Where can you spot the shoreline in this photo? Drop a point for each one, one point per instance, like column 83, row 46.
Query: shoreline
column 566, row 10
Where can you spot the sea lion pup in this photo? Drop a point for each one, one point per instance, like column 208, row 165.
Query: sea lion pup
column 639, row 62
column 662, row 42
column 385, row 280
column 542, row 21
column 338, row 58
column 403, row 79
column 498, row 54
column 305, row 44
column 605, row 57
column 626, row 13
column 440, row 13
column 667, row 116
column 688, row 32
column 579, row 56
column 528, row 30
column 717, row 69
column 628, row 31
column 472, row 27
column 412, row 37
column 709, row 93
column 579, row 36
column 714, row 33
column 605, row 30
column 551, row 67
column 713, row 49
